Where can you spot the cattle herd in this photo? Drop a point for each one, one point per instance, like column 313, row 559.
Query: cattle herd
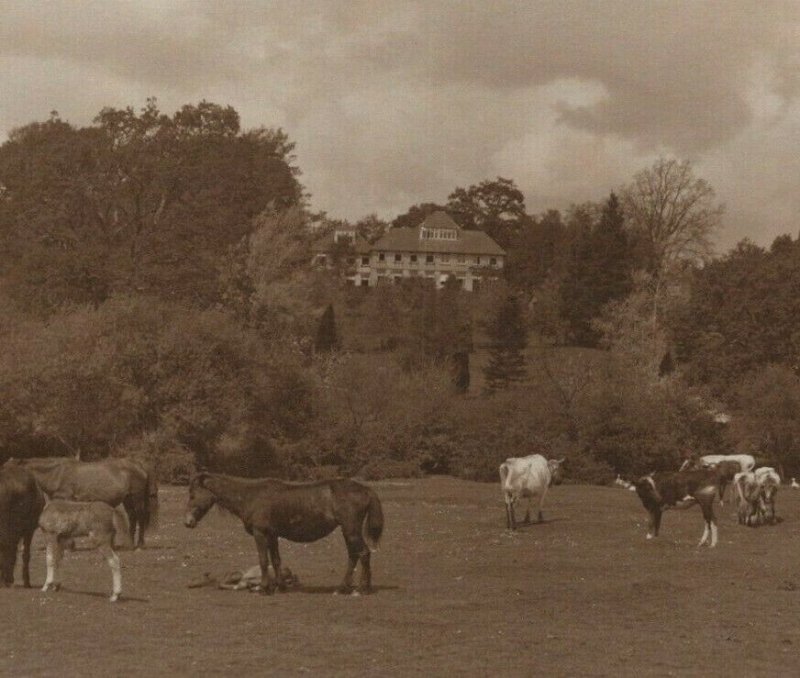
column 112, row 499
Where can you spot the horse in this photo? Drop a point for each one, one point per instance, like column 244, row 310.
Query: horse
column 61, row 521
column 113, row 481
column 21, row 503
column 301, row 512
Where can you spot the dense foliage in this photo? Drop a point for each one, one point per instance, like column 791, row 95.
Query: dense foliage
column 158, row 300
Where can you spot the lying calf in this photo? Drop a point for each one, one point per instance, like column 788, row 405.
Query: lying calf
column 680, row 489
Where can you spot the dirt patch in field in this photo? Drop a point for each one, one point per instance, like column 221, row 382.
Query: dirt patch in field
column 583, row 594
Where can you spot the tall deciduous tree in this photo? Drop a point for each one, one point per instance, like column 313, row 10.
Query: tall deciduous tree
column 495, row 207
column 672, row 213
column 139, row 201
column 508, row 337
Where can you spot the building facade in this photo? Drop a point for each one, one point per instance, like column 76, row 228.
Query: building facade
column 437, row 249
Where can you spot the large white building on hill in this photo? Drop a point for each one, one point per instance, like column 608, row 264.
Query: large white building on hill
column 437, row 249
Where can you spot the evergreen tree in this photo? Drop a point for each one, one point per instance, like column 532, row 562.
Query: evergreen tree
column 508, row 335
column 327, row 339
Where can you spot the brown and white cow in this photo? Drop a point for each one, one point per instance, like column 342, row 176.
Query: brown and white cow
column 680, row 489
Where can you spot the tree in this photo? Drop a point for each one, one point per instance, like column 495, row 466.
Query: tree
column 110, row 208
column 416, row 214
column 672, row 214
column 494, row 207
column 599, row 271
column 508, row 337
column 327, row 339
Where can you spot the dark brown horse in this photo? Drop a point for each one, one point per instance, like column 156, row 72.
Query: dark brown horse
column 113, row 481
column 302, row 512
column 21, row 503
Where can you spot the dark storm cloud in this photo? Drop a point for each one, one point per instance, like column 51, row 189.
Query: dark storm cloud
column 395, row 103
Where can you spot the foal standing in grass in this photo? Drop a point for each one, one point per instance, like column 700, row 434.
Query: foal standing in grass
column 300, row 512
column 62, row 521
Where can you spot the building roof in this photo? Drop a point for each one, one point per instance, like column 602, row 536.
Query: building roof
column 467, row 241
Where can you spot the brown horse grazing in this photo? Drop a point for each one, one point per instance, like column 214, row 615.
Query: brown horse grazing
column 113, row 481
column 300, row 512
column 21, row 503
column 62, row 521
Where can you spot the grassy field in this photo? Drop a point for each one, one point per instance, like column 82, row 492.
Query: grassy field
column 583, row 594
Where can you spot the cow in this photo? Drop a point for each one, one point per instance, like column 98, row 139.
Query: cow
column 746, row 461
column 747, row 494
column 726, row 472
column 768, row 482
column 680, row 489
column 529, row 477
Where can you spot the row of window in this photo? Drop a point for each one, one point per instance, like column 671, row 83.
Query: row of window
column 413, row 259
column 429, row 259
column 438, row 234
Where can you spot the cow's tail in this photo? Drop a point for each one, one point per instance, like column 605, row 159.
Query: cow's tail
column 122, row 527
column 373, row 522
column 504, row 471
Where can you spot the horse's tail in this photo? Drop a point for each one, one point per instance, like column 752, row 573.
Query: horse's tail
column 151, row 502
column 122, row 527
column 373, row 521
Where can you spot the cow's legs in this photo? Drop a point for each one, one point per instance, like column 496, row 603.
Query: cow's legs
column 541, row 503
column 511, row 522
column 706, row 501
column 655, row 523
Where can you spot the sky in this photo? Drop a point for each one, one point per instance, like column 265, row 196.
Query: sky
column 396, row 103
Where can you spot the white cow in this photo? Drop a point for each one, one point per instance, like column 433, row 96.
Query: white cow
column 768, row 482
column 527, row 477
column 746, row 461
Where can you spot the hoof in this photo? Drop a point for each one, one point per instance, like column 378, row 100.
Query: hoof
column 114, row 597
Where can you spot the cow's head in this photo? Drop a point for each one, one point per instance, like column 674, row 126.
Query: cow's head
column 556, row 474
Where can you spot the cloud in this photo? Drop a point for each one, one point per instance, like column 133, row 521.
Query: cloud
column 393, row 103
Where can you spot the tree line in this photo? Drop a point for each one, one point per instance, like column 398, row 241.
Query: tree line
column 159, row 301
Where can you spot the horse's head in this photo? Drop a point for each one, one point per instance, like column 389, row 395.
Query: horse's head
column 201, row 499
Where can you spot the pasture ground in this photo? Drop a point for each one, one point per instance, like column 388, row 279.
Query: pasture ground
column 583, row 594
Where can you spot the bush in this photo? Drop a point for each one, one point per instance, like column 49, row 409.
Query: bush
column 379, row 469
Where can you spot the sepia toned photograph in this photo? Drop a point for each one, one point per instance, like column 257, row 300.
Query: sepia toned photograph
column 376, row 338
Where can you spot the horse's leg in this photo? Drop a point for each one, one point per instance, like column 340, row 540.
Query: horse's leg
column 262, row 545
column 355, row 546
column 53, row 556
column 107, row 549
column 131, row 509
column 9, row 560
column 365, row 583
column 275, row 558
column 528, row 510
column 26, row 559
